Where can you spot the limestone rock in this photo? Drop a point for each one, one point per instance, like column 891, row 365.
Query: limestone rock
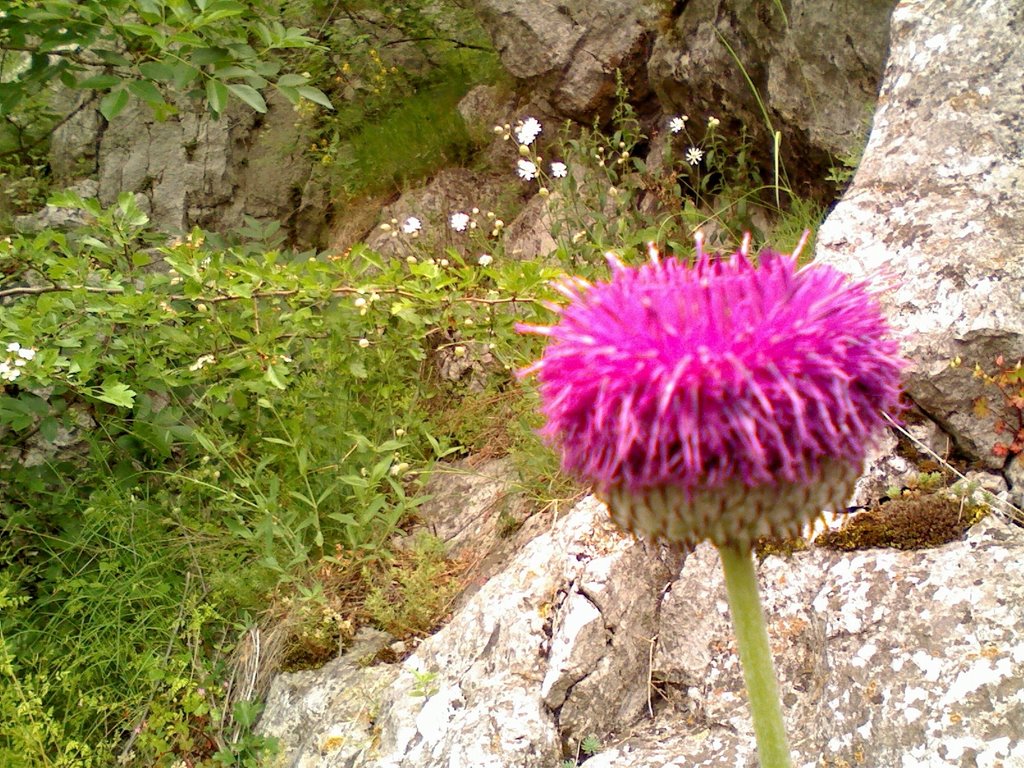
column 529, row 237
column 324, row 717
column 433, row 203
column 815, row 70
column 884, row 657
column 194, row 170
column 934, row 213
column 570, row 51
column 562, row 636
column 1015, row 478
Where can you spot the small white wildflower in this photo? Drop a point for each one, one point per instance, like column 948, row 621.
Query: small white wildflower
column 694, row 155
column 475, row 211
column 412, row 225
column 363, row 343
column 26, row 352
column 399, row 469
column 411, row 259
column 202, row 361
column 468, row 321
column 20, row 363
column 385, row 227
column 399, row 432
column 485, row 260
column 13, row 347
column 7, row 373
column 713, row 122
column 459, row 221
column 443, row 262
column 558, row 170
column 528, row 131
column 527, row 170
column 459, row 351
column 676, row 124
column 498, row 223
column 360, row 302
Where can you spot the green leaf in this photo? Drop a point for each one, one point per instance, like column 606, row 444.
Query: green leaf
column 203, row 56
column 216, row 95
column 184, row 74
column 272, row 376
column 110, row 57
column 249, row 95
column 48, row 428
column 116, row 393
column 100, row 82
column 146, row 91
column 157, row 70
column 113, row 104
column 357, row 368
column 315, row 95
column 292, row 80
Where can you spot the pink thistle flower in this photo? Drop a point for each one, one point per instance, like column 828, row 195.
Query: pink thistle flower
column 719, row 400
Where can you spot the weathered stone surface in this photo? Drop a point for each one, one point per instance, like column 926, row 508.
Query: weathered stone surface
column 886, row 658
column 816, row 72
column 529, row 235
column 1015, row 478
column 934, row 215
column 194, row 170
column 525, row 662
column 569, row 51
column 433, row 203
column 324, row 717
column 883, row 467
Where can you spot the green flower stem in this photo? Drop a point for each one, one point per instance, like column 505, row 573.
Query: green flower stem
column 756, row 657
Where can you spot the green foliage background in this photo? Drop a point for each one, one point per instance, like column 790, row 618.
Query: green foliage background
column 206, row 429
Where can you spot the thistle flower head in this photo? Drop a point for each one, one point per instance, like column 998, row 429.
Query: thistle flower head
column 717, row 400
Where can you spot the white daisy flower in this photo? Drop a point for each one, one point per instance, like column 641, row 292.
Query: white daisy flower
column 485, row 260
column 527, row 131
column 694, row 155
column 676, row 124
column 459, row 221
column 26, row 352
column 527, row 170
column 412, row 225
column 558, row 170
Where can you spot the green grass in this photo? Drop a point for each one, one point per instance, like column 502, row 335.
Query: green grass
column 421, row 134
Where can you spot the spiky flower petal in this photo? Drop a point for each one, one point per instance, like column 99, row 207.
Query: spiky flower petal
column 716, row 385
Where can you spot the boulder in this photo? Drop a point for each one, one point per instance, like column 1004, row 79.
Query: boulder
column 884, row 657
column 569, row 52
column 934, row 214
column 324, row 717
column 811, row 71
column 197, row 171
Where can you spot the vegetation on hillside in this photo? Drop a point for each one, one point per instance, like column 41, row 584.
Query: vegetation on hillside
column 205, row 436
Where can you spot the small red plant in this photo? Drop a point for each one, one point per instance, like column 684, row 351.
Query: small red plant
column 1009, row 380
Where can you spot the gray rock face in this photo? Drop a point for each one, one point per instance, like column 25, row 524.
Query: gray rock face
column 570, row 51
column 885, row 658
column 324, row 716
column 194, row 170
column 934, row 216
column 816, row 72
